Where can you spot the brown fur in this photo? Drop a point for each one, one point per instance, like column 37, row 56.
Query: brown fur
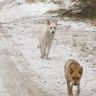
column 73, row 73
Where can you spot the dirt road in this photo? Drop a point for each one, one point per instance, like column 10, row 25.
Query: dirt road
column 15, row 82
column 12, row 81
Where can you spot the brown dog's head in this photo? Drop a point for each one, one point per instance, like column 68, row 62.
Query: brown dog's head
column 75, row 74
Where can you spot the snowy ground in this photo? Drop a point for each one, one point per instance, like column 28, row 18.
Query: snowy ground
column 73, row 39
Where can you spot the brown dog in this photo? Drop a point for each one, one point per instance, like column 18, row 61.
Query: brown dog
column 73, row 73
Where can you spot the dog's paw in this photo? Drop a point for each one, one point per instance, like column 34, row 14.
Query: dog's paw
column 42, row 56
column 70, row 94
column 78, row 92
column 47, row 58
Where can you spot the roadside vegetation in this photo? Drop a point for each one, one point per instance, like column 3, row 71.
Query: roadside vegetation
column 78, row 9
column 81, row 9
column 32, row 1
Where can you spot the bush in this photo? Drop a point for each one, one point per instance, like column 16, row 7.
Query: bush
column 87, row 8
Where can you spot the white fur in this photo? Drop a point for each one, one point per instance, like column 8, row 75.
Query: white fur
column 46, row 36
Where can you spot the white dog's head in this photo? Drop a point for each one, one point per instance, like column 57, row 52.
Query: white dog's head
column 52, row 26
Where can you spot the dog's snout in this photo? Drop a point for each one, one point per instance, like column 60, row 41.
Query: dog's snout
column 75, row 84
column 52, row 31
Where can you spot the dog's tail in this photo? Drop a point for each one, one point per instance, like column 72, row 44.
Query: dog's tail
column 38, row 46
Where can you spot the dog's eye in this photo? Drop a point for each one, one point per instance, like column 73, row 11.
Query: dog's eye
column 50, row 27
column 77, row 77
column 73, row 78
column 54, row 27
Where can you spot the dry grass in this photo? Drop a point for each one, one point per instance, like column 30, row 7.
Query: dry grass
column 56, row 11
column 52, row 11
column 72, row 15
column 30, row 1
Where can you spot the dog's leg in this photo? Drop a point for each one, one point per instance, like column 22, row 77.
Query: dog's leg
column 69, row 88
column 45, row 46
column 78, row 90
column 48, row 49
column 42, row 49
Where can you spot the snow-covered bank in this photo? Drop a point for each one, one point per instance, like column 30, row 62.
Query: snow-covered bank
column 1, row 1
column 16, row 11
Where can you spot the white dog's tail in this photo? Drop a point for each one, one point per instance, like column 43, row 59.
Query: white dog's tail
column 38, row 46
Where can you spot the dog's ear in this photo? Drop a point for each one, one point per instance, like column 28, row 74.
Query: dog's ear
column 81, row 70
column 70, row 70
column 48, row 22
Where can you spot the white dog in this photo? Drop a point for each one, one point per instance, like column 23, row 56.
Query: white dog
column 46, row 36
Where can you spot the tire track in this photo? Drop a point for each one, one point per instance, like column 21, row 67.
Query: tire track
column 17, row 83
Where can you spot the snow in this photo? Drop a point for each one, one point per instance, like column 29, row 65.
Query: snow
column 17, row 11
column 24, row 21
column 1, row 1
column 80, row 26
column 20, row 1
